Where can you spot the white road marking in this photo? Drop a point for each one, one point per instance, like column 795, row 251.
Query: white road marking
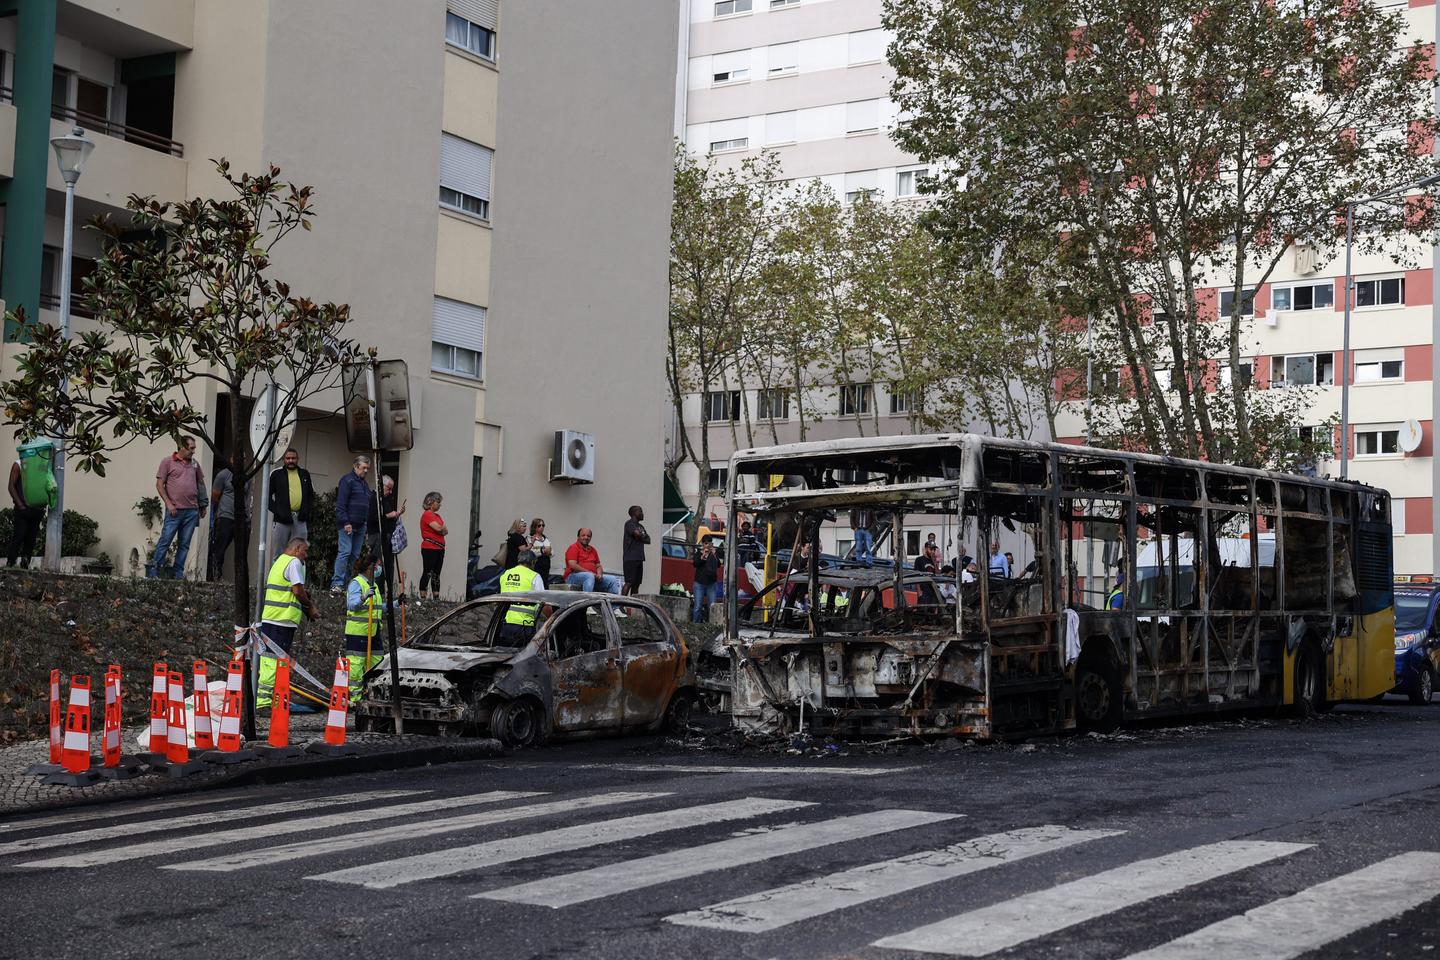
column 442, row 863
column 628, row 875
column 1034, row 915
column 240, row 859
column 124, row 831
column 80, row 814
column 260, row 832
column 1314, row 917
column 781, row 906
column 803, row 771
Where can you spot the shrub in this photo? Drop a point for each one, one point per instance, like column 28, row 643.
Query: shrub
column 79, row 536
column 324, row 541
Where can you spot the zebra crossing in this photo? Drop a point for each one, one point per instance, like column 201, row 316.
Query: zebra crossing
column 494, row 847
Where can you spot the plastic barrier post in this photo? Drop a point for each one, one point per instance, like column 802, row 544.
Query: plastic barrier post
column 278, row 743
column 204, row 740
column 75, row 747
column 334, row 743
column 159, row 716
column 117, row 767
column 177, row 743
column 53, row 766
column 230, row 750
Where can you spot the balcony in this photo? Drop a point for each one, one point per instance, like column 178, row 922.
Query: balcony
column 95, row 124
column 118, row 167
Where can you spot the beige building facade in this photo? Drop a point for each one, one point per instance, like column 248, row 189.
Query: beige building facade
column 493, row 196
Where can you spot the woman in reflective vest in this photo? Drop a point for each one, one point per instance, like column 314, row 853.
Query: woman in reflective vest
column 364, row 615
column 520, row 617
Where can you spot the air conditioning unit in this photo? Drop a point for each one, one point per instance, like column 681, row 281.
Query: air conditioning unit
column 574, row 458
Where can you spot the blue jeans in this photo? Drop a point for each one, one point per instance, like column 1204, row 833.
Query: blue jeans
column 182, row 525
column 864, row 546
column 705, row 594
column 347, row 551
column 586, row 581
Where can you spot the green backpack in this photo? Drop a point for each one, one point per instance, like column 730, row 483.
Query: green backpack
column 37, row 482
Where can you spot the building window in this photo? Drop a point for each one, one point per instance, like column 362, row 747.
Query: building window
column 860, row 183
column 902, row 401
column 912, row 542
column 715, row 482
column 1162, row 378
column 780, row 127
column 1247, row 302
column 862, row 116
column 1304, row 369
column 867, row 46
column 728, row 8
column 1374, row 371
column 907, row 182
column 1247, row 374
column 465, row 176
column 782, row 58
column 773, row 404
column 730, row 67
column 1303, row 296
column 731, row 75
column 457, row 338
column 466, row 35
column 1377, row 442
column 856, row 399
column 722, row 406
column 1383, row 292
column 1108, row 381
column 778, row 4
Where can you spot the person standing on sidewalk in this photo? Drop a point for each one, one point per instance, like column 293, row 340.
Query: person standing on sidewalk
column 432, row 545
column 180, row 481
column 632, row 556
column 28, row 519
column 285, row 602
column 292, row 497
column 352, row 511
column 391, row 510
column 707, row 573
column 230, row 497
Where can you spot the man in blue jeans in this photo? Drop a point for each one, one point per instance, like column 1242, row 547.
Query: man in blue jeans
column 707, row 573
column 180, row 482
column 353, row 502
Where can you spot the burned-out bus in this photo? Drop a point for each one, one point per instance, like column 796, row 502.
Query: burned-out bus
column 1157, row 586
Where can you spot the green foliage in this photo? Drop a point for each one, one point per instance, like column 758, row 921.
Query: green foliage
column 1132, row 155
column 324, row 541
column 79, row 535
column 149, row 510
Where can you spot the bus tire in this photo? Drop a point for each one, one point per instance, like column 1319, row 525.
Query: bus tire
column 1307, row 684
column 1423, row 693
column 1099, row 694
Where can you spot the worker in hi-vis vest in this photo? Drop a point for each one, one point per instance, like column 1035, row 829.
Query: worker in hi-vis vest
column 285, row 602
column 1116, row 598
column 519, row 624
column 364, row 615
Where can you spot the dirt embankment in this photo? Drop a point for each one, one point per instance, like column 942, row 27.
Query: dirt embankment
column 80, row 624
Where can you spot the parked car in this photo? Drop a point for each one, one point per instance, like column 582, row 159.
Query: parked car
column 596, row 664
column 1417, row 638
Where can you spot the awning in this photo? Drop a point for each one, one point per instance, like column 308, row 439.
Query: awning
column 675, row 510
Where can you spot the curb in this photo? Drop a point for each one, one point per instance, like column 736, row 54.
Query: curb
column 308, row 768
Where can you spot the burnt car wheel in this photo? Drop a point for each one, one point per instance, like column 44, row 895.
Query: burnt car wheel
column 515, row 723
column 1098, row 694
column 677, row 715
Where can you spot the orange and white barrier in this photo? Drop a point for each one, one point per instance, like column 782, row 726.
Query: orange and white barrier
column 334, row 742
column 230, row 714
column 159, row 711
column 177, row 749
column 75, row 751
column 280, row 705
column 55, row 728
column 202, row 733
column 110, row 739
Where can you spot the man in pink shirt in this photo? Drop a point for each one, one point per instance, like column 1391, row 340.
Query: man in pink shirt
column 180, row 482
column 582, row 566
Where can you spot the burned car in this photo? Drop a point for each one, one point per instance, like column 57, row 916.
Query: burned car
column 585, row 665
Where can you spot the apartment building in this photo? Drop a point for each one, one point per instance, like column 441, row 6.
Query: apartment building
column 476, row 165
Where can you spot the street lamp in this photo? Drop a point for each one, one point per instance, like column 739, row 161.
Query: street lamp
column 71, row 151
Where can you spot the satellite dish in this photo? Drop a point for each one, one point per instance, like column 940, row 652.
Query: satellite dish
column 1410, row 436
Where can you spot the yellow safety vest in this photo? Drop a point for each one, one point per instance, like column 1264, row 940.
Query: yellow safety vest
column 280, row 603
column 365, row 622
column 517, row 580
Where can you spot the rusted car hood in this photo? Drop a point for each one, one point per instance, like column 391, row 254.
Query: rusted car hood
column 443, row 659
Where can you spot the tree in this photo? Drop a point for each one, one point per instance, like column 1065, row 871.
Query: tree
column 1163, row 148
column 184, row 303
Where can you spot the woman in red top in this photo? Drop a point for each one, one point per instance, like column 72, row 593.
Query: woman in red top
column 432, row 544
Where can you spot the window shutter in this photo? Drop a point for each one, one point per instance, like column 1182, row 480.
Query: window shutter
column 862, row 180
column 465, row 166
column 730, row 129
column 458, row 324
column 729, row 62
column 483, row 12
column 867, row 45
column 780, row 127
column 862, row 115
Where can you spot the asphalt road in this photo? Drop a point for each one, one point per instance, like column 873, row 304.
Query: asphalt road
column 1244, row 839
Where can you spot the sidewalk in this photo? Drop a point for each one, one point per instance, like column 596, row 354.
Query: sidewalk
column 21, row 794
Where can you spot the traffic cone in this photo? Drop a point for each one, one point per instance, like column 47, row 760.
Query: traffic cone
column 45, row 769
column 230, row 749
column 116, row 767
column 159, row 716
column 177, row 748
column 75, row 748
column 334, row 742
column 204, row 740
column 278, row 743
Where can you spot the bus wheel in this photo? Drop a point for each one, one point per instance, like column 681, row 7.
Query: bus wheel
column 1424, row 692
column 1099, row 698
column 1308, row 696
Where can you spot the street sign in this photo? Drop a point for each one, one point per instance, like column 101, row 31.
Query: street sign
column 260, row 420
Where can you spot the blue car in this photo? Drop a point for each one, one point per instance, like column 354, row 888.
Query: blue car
column 1417, row 645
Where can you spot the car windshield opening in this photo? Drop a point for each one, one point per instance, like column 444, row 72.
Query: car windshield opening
column 1410, row 610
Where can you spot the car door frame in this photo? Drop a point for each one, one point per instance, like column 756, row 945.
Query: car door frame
column 648, row 670
column 588, row 689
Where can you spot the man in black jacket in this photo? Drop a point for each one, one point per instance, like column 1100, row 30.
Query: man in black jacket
column 291, row 499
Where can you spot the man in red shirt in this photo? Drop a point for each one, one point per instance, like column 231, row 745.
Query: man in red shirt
column 179, row 481
column 582, row 566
